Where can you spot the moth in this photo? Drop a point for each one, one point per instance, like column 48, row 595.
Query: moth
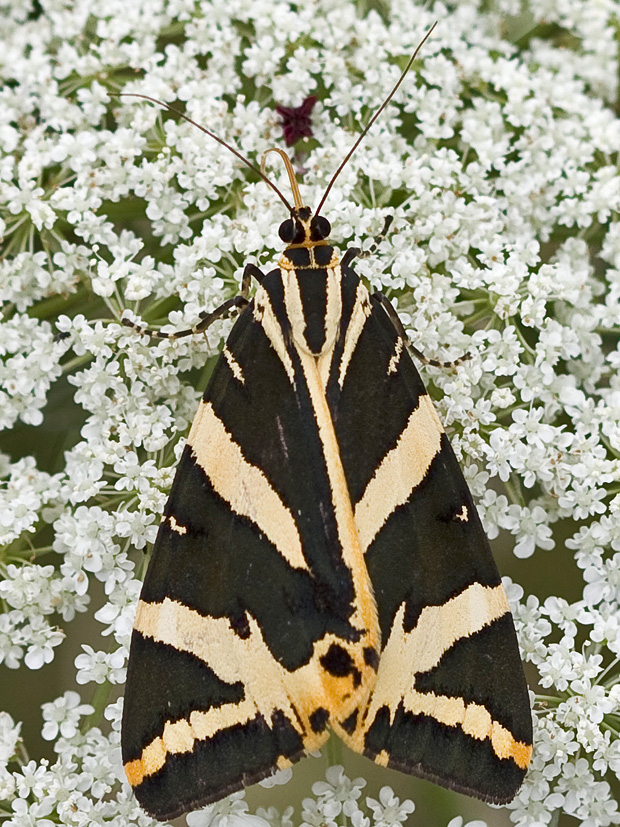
column 320, row 565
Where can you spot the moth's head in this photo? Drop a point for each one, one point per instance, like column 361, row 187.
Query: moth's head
column 303, row 229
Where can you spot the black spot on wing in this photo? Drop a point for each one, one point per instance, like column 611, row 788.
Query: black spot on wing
column 240, row 625
column 371, row 657
column 339, row 663
column 350, row 723
column 319, row 719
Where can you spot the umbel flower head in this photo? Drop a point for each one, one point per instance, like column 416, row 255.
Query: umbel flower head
column 498, row 161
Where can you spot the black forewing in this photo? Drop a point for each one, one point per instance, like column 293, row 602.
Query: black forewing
column 424, row 555
column 219, row 564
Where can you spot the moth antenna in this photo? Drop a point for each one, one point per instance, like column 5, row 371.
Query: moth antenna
column 211, row 135
column 374, row 117
column 289, row 169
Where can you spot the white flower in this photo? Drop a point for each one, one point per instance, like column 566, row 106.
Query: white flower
column 533, row 532
column 41, row 639
column 63, row 716
column 230, row 812
column 358, row 819
column 388, row 810
column 100, row 666
column 9, row 738
column 31, row 779
column 607, row 755
column 31, row 815
column 276, row 818
column 458, row 822
column 339, row 793
column 277, row 779
column 262, row 57
column 314, row 814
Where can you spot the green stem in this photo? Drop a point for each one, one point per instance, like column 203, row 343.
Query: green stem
column 614, row 663
column 333, row 751
column 514, row 491
column 77, row 362
column 99, row 702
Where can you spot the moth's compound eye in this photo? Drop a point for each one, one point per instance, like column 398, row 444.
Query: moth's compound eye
column 287, row 231
column 320, row 228
column 292, row 231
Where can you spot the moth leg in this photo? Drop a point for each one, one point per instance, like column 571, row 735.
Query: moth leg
column 395, row 319
column 378, row 238
column 249, row 271
column 355, row 252
column 226, row 309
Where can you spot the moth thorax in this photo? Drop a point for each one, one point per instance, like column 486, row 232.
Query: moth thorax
column 314, row 307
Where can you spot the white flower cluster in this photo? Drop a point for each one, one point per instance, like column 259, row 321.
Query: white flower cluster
column 336, row 799
column 76, row 788
column 497, row 159
column 29, row 355
column 575, row 747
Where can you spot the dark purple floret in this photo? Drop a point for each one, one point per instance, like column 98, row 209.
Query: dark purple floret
column 295, row 121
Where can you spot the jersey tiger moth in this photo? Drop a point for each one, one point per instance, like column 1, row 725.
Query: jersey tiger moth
column 320, row 564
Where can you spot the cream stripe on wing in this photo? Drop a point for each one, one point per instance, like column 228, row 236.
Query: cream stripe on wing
column 439, row 627
column 180, row 736
column 474, row 719
column 361, row 311
column 398, row 350
column 400, row 471
column 233, row 365
column 333, row 317
column 293, row 304
column 263, row 313
column 244, row 486
column 180, row 529
column 233, row 658
column 333, row 306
